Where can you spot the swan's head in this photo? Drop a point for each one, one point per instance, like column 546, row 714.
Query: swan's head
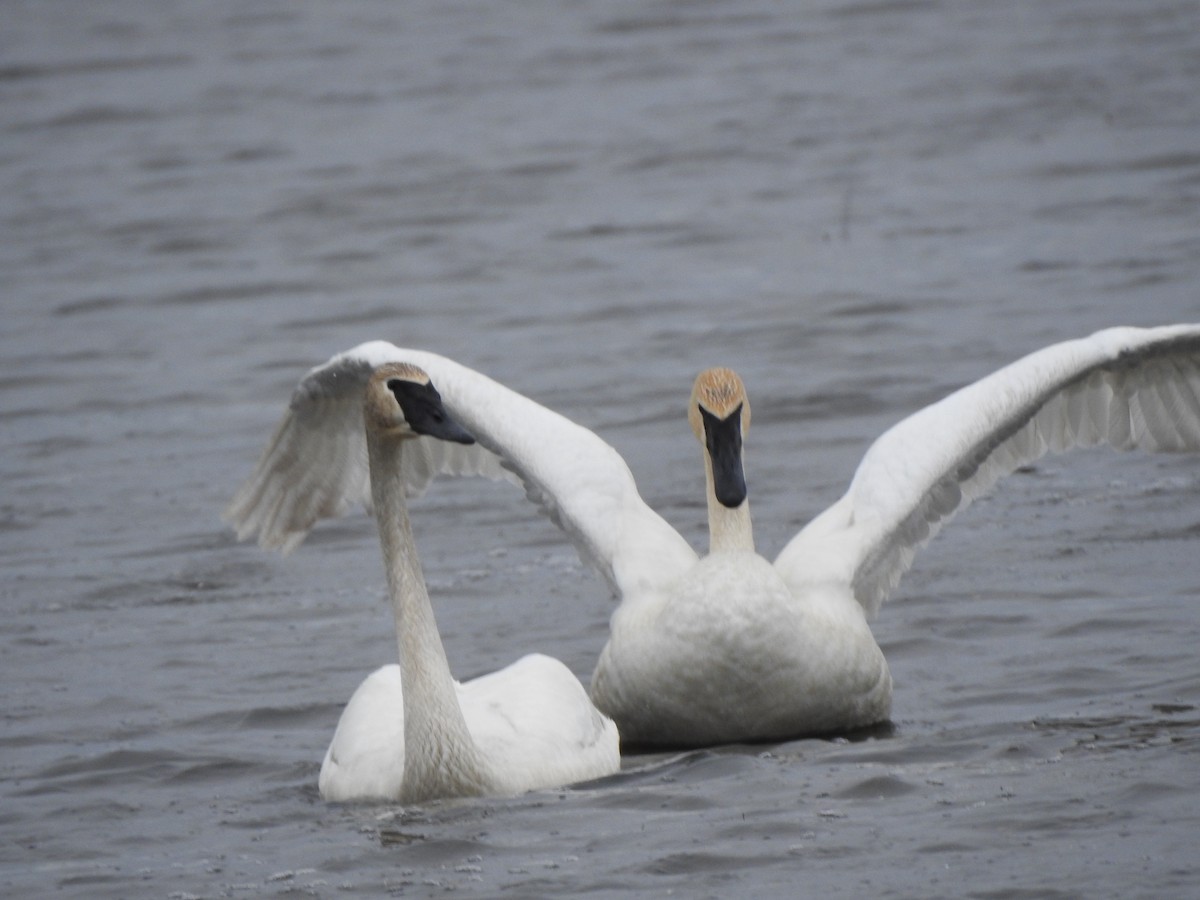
column 720, row 415
column 402, row 402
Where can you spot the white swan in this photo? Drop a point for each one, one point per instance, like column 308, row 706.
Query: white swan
column 730, row 646
column 410, row 732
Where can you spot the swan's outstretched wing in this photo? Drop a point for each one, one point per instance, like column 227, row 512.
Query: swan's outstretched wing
column 1126, row 387
column 316, row 465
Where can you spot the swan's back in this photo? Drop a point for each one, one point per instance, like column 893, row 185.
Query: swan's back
column 365, row 759
column 536, row 725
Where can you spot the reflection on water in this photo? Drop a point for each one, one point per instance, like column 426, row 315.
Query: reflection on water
column 858, row 205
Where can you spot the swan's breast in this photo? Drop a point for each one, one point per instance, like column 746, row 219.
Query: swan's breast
column 730, row 653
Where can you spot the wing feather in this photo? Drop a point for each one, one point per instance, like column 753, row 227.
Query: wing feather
column 315, row 466
column 1126, row 387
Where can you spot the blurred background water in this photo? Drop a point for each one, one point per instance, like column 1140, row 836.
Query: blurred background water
column 859, row 205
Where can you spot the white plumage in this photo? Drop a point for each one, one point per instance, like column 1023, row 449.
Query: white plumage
column 532, row 722
column 730, row 646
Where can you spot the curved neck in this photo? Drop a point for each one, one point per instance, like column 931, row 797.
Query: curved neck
column 440, row 757
column 728, row 529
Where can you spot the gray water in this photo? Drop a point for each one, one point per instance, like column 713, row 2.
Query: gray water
column 859, row 205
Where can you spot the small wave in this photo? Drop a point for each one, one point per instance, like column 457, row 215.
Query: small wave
column 877, row 787
column 80, row 772
column 31, row 70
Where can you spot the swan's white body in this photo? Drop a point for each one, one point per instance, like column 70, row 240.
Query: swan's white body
column 532, row 721
column 731, row 646
column 410, row 731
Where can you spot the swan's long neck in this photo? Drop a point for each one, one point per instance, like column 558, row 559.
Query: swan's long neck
column 440, row 757
column 728, row 529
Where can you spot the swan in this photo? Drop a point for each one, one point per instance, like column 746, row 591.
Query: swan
column 730, row 646
column 410, row 732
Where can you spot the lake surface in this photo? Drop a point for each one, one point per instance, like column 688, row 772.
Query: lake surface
column 858, row 205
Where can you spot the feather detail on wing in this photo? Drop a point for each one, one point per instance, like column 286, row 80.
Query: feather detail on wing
column 1126, row 387
column 315, row 466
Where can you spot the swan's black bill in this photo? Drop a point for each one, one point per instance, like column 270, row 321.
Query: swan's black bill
column 424, row 412
column 723, row 437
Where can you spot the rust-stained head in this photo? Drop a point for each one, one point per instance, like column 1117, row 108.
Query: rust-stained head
column 719, row 392
column 401, row 402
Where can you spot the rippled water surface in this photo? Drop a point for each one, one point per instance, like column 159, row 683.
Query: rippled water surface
column 859, row 205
